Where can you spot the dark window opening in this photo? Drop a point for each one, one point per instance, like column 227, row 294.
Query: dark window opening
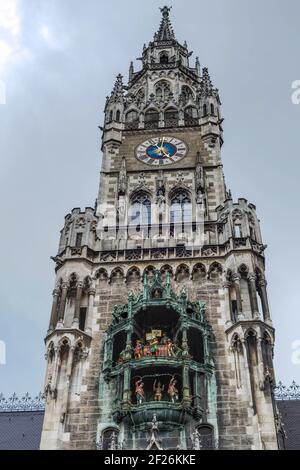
column 78, row 240
column 164, row 58
column 151, row 116
column 171, row 114
column 195, row 343
column 82, row 318
column 234, row 310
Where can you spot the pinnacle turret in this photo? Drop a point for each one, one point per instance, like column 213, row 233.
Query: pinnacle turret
column 118, row 91
column 165, row 32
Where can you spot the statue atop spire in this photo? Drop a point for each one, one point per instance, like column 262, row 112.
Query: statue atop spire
column 165, row 32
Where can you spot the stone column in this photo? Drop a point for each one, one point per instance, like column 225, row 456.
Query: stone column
column 264, row 300
column 89, row 317
column 197, row 392
column 66, row 393
column 236, row 280
column 205, row 347
column 247, row 372
column 226, row 287
column 253, row 295
column 261, row 368
column 126, row 386
column 185, row 347
column 62, row 307
column 54, row 312
column 79, row 289
column 186, row 395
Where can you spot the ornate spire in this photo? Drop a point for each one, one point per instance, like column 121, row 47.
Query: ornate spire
column 165, row 32
column 207, row 86
column 118, row 91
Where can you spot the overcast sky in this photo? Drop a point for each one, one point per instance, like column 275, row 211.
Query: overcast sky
column 58, row 61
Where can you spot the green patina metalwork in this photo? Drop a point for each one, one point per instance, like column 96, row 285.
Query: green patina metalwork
column 157, row 294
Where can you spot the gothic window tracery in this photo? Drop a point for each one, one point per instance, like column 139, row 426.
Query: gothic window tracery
column 171, row 117
column 190, row 112
column 164, row 57
column 132, row 116
column 162, row 91
column 151, row 117
column 187, row 94
column 181, row 210
column 140, row 210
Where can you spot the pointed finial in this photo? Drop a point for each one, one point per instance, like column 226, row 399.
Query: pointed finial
column 165, row 32
column 165, row 11
column 131, row 71
column 197, row 66
column 118, row 90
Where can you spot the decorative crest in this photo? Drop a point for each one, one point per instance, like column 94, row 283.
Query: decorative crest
column 281, row 392
column 26, row 403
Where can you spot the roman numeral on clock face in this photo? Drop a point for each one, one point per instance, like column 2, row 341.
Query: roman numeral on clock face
column 161, row 151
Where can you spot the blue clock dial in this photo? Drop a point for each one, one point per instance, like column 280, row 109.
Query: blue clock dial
column 165, row 150
column 161, row 151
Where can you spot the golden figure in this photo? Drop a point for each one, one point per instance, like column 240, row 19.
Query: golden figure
column 138, row 350
column 158, row 390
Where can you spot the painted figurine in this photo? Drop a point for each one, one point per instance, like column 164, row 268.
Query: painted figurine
column 172, row 390
column 139, row 392
column 170, row 347
column 158, row 391
column 154, row 347
column 138, row 350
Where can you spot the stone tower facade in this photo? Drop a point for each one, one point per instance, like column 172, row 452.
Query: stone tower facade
column 160, row 333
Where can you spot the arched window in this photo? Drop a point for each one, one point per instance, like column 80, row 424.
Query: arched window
column 118, row 115
column 190, row 112
column 212, row 109
column 181, row 210
column 171, row 117
column 204, row 110
column 206, row 436
column 140, row 210
column 164, row 57
column 162, row 91
column 151, row 117
column 110, row 116
column 109, row 439
column 187, row 93
column 132, row 116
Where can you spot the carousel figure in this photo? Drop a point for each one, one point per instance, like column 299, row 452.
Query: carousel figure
column 158, row 390
column 170, row 347
column 164, row 339
column 138, row 350
column 172, row 390
column 139, row 391
column 154, row 347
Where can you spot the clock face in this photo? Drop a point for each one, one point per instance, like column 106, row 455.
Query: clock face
column 160, row 151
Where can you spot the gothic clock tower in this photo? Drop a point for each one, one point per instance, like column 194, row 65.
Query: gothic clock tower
column 160, row 334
